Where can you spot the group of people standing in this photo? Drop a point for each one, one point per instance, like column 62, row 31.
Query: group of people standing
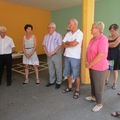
column 100, row 53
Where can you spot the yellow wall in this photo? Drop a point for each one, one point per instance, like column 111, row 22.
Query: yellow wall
column 14, row 17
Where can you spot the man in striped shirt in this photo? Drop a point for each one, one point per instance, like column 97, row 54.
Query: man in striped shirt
column 52, row 45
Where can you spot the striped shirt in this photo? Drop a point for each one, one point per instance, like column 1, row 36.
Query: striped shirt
column 51, row 42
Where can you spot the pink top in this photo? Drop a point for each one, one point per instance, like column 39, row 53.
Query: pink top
column 96, row 46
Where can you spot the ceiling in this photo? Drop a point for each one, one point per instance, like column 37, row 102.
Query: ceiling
column 47, row 4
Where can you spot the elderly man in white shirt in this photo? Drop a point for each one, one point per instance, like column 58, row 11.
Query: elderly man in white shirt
column 72, row 43
column 6, row 48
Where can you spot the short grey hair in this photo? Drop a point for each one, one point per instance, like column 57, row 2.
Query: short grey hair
column 52, row 24
column 3, row 29
column 100, row 25
column 75, row 21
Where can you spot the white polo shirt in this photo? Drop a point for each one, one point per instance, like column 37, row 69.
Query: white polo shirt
column 6, row 45
column 73, row 52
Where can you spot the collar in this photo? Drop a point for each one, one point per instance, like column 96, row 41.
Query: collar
column 52, row 33
column 75, row 31
column 98, row 37
column 3, row 38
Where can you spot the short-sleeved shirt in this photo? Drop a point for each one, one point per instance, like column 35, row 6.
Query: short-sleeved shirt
column 73, row 52
column 96, row 46
column 6, row 45
column 52, row 41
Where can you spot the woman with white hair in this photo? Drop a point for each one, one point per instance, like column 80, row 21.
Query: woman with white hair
column 6, row 48
column 97, row 64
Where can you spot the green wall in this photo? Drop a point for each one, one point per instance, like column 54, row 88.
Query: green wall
column 107, row 11
column 61, row 17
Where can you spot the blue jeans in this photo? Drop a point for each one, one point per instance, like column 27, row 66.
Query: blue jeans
column 71, row 67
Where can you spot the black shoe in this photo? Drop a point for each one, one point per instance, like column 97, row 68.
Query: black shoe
column 57, row 86
column 118, row 93
column 49, row 84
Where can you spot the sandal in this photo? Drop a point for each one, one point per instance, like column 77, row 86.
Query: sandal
column 115, row 114
column 97, row 108
column 114, row 86
column 67, row 90
column 106, row 82
column 38, row 81
column 26, row 81
column 91, row 98
column 76, row 95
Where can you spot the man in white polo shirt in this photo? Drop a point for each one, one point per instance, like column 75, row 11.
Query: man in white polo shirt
column 6, row 48
column 72, row 43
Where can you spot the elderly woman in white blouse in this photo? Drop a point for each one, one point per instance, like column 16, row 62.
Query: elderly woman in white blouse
column 6, row 48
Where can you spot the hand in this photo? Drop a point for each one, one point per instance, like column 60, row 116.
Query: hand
column 88, row 65
column 50, row 54
column 28, row 55
column 65, row 46
column 66, row 43
column 71, row 42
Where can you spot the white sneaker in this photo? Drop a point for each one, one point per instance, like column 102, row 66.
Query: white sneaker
column 26, row 81
column 97, row 108
column 90, row 98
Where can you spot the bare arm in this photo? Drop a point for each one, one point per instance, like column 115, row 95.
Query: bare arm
column 34, row 48
column 13, row 50
column 70, row 44
column 56, row 50
column 24, row 50
column 114, row 44
column 45, row 49
column 24, row 47
column 49, row 54
column 64, row 45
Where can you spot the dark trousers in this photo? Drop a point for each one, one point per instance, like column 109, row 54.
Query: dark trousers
column 97, row 84
column 6, row 60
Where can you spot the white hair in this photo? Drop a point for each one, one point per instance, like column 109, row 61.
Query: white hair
column 52, row 24
column 3, row 29
column 75, row 21
column 100, row 25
